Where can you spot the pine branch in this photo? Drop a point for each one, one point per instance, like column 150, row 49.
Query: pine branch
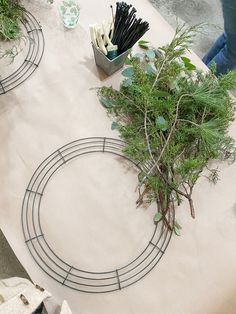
column 175, row 119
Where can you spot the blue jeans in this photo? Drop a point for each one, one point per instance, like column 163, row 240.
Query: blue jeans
column 223, row 52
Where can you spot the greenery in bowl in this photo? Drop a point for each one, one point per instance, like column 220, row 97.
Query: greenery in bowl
column 173, row 117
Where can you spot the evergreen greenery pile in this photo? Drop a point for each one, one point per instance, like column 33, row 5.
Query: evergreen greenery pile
column 173, row 117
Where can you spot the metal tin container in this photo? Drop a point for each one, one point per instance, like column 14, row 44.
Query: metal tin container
column 107, row 65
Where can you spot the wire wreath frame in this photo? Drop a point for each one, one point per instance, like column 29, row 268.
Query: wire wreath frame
column 55, row 266
column 36, row 45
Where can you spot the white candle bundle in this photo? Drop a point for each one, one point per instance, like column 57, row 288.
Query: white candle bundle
column 101, row 37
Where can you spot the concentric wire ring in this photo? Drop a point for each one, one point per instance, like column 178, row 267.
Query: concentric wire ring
column 34, row 55
column 55, row 266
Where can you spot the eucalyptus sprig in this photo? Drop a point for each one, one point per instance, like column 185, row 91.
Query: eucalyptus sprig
column 174, row 118
column 15, row 49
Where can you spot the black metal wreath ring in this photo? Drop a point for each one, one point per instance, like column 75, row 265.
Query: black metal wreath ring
column 55, row 266
column 34, row 55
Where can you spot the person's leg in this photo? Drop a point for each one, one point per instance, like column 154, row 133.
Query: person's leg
column 226, row 59
column 229, row 11
column 215, row 49
column 223, row 65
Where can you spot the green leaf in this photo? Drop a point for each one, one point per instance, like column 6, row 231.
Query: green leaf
column 150, row 54
column 128, row 72
column 177, row 228
column 114, row 126
column 150, row 69
column 190, row 67
column 161, row 123
column 157, row 217
column 178, row 225
column 128, row 61
column 127, row 82
column 177, row 231
column 107, row 103
column 141, row 175
column 143, row 44
column 186, row 60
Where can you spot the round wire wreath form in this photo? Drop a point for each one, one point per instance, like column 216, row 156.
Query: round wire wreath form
column 44, row 255
column 34, row 55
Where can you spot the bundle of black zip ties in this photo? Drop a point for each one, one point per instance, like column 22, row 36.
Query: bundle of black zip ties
column 127, row 28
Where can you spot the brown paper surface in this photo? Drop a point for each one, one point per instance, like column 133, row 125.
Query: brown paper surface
column 56, row 106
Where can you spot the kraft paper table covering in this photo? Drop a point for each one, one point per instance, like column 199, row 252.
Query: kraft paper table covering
column 56, row 106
